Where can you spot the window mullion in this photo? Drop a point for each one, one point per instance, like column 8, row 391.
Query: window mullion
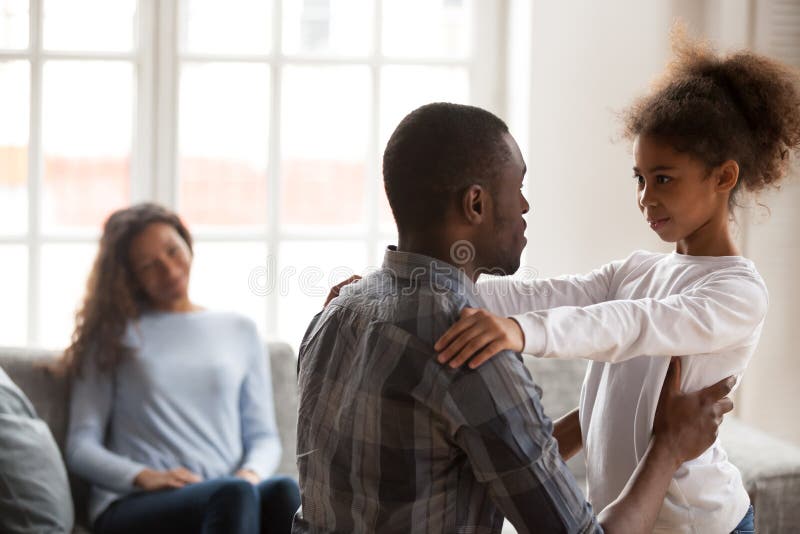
column 486, row 73
column 165, row 185
column 373, row 191
column 274, row 163
column 145, row 133
column 34, row 172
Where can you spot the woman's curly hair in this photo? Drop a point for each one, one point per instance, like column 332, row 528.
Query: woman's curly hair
column 113, row 298
column 743, row 107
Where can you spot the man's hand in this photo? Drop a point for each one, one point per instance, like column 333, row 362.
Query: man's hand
column 481, row 334
column 334, row 292
column 248, row 475
column 687, row 423
column 152, row 480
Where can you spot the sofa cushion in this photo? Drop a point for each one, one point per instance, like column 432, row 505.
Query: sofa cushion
column 770, row 470
column 48, row 391
column 34, row 490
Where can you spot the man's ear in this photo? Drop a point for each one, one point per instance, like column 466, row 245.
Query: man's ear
column 474, row 204
column 726, row 177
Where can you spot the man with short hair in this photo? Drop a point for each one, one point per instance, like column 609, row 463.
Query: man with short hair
column 389, row 440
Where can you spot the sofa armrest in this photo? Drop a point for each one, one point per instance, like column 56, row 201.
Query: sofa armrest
column 283, row 363
column 770, row 471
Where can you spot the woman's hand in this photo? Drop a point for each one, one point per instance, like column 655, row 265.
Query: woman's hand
column 248, row 475
column 152, row 480
column 334, row 292
column 478, row 330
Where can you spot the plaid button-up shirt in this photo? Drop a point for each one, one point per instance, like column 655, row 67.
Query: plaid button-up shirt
column 389, row 440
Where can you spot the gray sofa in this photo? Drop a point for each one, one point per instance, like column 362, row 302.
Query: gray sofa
column 49, row 394
column 771, row 468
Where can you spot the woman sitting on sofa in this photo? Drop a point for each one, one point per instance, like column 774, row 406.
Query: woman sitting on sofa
column 171, row 417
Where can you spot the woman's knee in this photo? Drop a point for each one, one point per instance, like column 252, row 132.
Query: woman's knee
column 236, row 494
column 281, row 487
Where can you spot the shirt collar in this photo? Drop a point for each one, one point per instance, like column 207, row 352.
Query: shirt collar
column 419, row 267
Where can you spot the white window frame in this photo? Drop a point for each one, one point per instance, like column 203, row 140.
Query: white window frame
column 154, row 168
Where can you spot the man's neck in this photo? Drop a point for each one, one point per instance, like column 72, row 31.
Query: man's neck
column 445, row 249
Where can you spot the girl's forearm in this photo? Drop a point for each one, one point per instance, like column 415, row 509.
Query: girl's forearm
column 567, row 431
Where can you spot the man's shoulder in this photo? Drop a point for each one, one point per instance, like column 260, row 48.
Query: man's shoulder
column 417, row 306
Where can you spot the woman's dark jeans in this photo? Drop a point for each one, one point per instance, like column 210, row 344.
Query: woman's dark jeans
column 224, row 505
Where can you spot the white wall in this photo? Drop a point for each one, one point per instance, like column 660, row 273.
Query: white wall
column 586, row 61
column 770, row 391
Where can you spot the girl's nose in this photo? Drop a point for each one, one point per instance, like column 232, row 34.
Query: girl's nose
column 646, row 197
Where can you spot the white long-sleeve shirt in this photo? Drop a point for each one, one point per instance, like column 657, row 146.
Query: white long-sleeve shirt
column 196, row 394
column 709, row 310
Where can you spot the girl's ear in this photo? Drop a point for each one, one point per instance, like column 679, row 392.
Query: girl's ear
column 473, row 204
column 727, row 175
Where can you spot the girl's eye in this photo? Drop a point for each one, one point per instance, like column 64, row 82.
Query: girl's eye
column 172, row 250
column 639, row 179
column 661, row 179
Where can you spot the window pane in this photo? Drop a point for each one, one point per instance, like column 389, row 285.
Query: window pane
column 89, row 25
column 14, row 24
column 86, row 135
column 441, row 28
column 230, row 27
column 223, row 139
column 324, row 126
column 307, row 270
column 65, row 270
column 14, row 108
column 224, row 278
column 405, row 88
column 342, row 27
column 14, row 288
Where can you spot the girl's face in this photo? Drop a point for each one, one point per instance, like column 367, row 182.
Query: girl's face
column 680, row 198
column 161, row 262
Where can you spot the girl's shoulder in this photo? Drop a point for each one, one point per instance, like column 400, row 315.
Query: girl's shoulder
column 701, row 267
column 645, row 255
column 739, row 264
column 640, row 259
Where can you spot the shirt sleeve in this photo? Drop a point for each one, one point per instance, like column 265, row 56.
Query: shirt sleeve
column 499, row 423
column 508, row 296
column 260, row 439
column 718, row 314
column 86, row 454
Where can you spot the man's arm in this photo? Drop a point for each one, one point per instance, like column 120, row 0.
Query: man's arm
column 509, row 442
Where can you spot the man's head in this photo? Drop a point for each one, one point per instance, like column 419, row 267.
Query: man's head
column 455, row 171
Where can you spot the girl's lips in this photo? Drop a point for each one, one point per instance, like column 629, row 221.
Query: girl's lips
column 657, row 224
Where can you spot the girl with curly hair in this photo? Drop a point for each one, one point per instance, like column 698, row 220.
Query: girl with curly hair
column 171, row 418
column 714, row 128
